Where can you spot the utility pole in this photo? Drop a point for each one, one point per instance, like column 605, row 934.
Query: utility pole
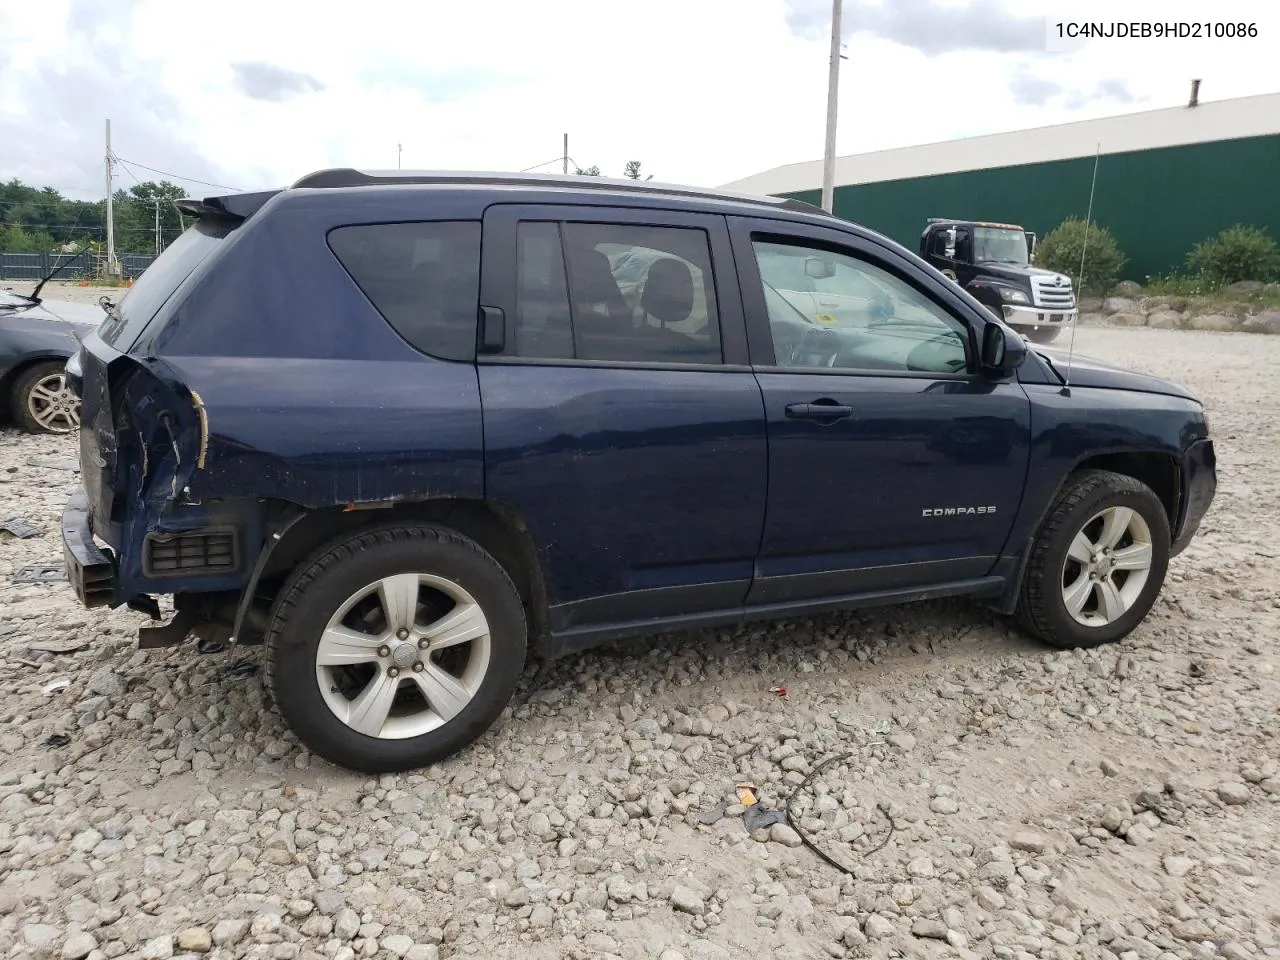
column 157, row 203
column 565, row 155
column 111, row 235
column 833, row 89
column 399, row 151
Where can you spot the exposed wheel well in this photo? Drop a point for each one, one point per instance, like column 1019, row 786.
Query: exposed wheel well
column 499, row 531
column 1159, row 471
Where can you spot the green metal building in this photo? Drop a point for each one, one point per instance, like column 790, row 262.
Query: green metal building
column 1167, row 179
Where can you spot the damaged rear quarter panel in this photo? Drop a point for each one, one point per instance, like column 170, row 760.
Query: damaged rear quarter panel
column 292, row 387
column 321, row 433
column 308, row 394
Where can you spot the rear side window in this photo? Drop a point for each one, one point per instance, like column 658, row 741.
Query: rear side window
column 424, row 278
column 615, row 292
column 158, row 282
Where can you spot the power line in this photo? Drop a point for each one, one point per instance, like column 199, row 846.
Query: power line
column 165, row 173
column 64, row 225
column 129, row 171
column 543, row 164
column 127, row 198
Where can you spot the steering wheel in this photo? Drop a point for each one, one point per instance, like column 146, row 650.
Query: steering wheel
column 820, row 342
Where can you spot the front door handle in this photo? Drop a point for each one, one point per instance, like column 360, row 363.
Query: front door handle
column 822, row 410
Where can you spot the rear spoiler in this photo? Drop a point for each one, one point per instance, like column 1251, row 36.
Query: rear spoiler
column 234, row 206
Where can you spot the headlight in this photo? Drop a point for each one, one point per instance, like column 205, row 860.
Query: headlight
column 1013, row 296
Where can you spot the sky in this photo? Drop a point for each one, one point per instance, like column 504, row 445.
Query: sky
column 253, row 94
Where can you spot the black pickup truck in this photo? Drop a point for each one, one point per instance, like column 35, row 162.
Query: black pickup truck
column 992, row 261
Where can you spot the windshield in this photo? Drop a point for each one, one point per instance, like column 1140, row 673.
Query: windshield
column 999, row 245
column 158, row 282
column 846, row 295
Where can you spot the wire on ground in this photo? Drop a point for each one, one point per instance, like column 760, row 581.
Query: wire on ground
column 809, row 841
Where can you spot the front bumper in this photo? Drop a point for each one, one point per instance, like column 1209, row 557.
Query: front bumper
column 1200, row 484
column 90, row 569
column 1037, row 316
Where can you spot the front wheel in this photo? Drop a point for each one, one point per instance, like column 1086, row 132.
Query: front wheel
column 395, row 648
column 42, row 402
column 1044, row 334
column 1098, row 562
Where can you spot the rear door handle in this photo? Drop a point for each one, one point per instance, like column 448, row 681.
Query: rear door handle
column 828, row 411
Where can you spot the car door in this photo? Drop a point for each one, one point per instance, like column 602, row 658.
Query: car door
column 892, row 463
column 622, row 422
column 963, row 264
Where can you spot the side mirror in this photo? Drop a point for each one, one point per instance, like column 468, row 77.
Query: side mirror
column 1003, row 350
column 1031, row 247
column 815, row 268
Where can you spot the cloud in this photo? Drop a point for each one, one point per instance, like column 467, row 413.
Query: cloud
column 925, row 25
column 1029, row 89
column 1117, row 90
column 272, row 83
column 308, row 92
column 66, row 74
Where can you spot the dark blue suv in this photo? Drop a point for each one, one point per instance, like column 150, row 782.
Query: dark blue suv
column 405, row 429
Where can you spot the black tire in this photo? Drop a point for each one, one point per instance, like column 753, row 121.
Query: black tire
column 20, row 397
column 319, row 586
column 1041, row 610
column 1044, row 334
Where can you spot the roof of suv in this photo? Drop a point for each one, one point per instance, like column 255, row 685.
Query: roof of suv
column 243, row 205
column 347, row 177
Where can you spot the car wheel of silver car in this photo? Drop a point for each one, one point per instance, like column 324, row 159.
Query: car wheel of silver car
column 42, row 402
column 1098, row 562
column 395, row 647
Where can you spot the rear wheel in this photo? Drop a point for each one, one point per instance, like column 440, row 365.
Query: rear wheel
column 1044, row 334
column 42, row 402
column 395, row 648
column 1098, row 562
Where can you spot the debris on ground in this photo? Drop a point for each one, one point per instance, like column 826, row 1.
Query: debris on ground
column 240, row 670
column 63, row 463
column 40, row 573
column 22, row 529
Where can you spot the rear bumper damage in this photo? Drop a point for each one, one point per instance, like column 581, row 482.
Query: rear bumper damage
column 91, row 570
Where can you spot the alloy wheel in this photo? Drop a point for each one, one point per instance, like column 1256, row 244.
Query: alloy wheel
column 53, row 406
column 403, row 656
column 1107, row 566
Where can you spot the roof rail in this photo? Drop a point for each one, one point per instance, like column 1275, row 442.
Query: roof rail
column 348, row 177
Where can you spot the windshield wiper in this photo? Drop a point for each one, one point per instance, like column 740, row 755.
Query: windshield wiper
column 34, row 296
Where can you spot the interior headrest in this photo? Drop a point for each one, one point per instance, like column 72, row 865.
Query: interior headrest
column 668, row 291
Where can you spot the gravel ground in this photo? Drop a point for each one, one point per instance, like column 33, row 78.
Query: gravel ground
column 64, row 290
column 992, row 797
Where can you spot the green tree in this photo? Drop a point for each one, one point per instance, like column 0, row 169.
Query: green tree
column 45, row 211
column 1237, row 253
column 632, row 169
column 135, row 215
column 13, row 239
column 1061, row 249
column 591, row 171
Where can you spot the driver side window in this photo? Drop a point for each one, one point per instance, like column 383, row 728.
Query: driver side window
column 849, row 314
